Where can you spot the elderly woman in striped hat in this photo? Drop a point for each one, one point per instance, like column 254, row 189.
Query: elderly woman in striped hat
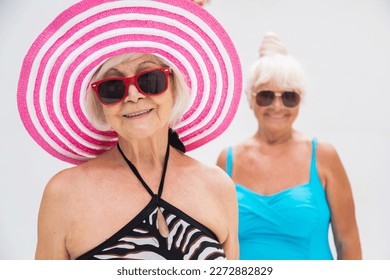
column 129, row 87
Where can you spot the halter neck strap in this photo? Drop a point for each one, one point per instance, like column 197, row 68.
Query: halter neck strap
column 136, row 173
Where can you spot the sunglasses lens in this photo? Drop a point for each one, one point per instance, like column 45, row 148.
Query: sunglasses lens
column 265, row 98
column 290, row 99
column 153, row 82
column 111, row 91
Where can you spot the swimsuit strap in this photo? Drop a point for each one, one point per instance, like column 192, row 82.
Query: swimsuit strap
column 136, row 173
column 229, row 161
column 313, row 166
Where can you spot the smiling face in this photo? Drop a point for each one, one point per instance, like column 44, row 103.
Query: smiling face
column 138, row 116
column 275, row 118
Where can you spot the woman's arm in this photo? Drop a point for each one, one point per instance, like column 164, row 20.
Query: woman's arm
column 228, row 198
column 231, row 245
column 340, row 199
column 52, row 222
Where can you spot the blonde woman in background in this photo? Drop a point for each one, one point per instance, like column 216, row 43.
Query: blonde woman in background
column 290, row 187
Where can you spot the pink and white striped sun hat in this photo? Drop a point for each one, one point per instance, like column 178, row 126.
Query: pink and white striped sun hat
column 59, row 65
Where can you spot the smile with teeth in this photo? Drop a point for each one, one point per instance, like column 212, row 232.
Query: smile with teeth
column 138, row 113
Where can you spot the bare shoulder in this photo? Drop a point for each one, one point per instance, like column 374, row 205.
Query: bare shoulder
column 329, row 165
column 240, row 148
column 64, row 191
column 223, row 157
column 66, row 180
column 213, row 176
column 69, row 184
column 56, row 196
column 59, row 208
column 326, row 153
column 60, row 187
column 219, row 179
column 58, row 184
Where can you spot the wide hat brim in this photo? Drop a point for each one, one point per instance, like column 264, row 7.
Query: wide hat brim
column 59, row 65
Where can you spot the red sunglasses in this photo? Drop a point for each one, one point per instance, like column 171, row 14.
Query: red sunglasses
column 149, row 82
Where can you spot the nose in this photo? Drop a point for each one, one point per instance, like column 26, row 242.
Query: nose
column 277, row 103
column 133, row 95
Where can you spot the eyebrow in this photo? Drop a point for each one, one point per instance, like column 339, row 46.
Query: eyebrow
column 142, row 67
column 145, row 62
column 115, row 72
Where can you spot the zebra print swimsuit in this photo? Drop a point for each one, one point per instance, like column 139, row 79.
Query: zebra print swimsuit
column 141, row 239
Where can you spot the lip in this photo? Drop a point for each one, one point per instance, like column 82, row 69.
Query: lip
column 276, row 117
column 137, row 114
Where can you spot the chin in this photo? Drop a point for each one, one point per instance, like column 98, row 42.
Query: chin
column 139, row 133
column 278, row 127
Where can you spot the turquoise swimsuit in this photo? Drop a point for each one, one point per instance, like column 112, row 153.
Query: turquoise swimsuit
column 292, row 224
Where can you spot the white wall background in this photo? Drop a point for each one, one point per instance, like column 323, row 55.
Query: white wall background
column 344, row 46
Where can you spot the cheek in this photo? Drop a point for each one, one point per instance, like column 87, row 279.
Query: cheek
column 109, row 112
column 167, row 101
column 258, row 110
column 295, row 112
column 163, row 105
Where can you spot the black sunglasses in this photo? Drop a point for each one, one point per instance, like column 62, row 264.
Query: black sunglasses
column 149, row 82
column 290, row 99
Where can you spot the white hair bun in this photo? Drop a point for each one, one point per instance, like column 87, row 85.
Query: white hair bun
column 272, row 45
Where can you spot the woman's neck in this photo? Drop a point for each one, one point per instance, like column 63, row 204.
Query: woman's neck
column 149, row 152
column 274, row 137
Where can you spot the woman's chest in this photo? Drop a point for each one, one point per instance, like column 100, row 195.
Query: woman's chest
column 267, row 175
column 101, row 214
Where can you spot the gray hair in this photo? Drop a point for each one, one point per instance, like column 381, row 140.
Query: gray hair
column 275, row 65
column 94, row 109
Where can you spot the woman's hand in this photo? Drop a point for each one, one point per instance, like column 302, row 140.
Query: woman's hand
column 200, row 2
